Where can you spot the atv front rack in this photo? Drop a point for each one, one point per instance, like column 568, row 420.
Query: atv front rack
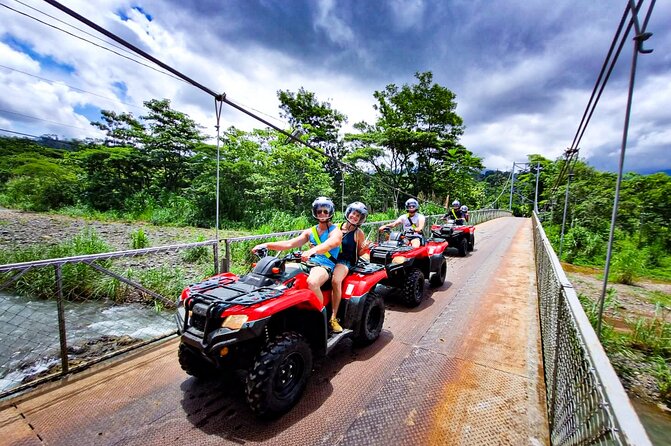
column 210, row 301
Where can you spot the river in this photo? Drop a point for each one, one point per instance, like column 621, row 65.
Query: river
column 29, row 332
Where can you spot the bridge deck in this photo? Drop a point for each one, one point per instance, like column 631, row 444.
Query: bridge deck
column 462, row 368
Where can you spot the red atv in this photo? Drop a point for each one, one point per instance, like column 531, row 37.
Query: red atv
column 457, row 235
column 407, row 266
column 267, row 325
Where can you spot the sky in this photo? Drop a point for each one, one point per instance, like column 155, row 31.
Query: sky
column 522, row 70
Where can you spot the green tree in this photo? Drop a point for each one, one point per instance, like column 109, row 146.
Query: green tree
column 111, row 175
column 172, row 139
column 41, row 184
column 414, row 144
column 321, row 123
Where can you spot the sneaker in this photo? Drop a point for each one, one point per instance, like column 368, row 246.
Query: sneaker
column 335, row 326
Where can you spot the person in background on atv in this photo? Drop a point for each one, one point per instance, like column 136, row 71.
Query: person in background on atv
column 455, row 213
column 324, row 239
column 353, row 246
column 464, row 212
column 413, row 221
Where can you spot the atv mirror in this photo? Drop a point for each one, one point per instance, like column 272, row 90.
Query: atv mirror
column 261, row 252
column 384, row 235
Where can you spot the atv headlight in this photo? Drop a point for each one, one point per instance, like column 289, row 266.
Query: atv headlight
column 234, row 322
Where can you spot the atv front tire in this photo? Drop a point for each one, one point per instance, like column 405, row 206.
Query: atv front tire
column 413, row 289
column 279, row 375
column 438, row 277
column 193, row 364
column 372, row 319
column 471, row 242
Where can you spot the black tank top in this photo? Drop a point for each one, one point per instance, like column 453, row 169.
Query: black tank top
column 348, row 251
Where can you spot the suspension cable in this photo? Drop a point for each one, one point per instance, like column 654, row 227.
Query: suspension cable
column 571, row 153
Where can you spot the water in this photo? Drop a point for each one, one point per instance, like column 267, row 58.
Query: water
column 29, row 332
column 657, row 423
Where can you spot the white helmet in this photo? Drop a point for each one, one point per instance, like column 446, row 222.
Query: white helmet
column 323, row 203
column 411, row 203
column 464, row 208
column 360, row 208
column 456, row 204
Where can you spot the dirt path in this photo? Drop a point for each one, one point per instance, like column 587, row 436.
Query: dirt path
column 28, row 228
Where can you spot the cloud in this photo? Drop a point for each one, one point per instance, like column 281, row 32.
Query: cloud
column 522, row 71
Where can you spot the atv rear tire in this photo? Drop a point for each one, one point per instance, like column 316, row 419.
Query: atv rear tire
column 413, row 289
column 279, row 375
column 471, row 242
column 438, row 277
column 463, row 247
column 193, row 364
column 372, row 319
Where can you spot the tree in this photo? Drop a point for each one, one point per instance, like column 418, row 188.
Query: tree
column 172, row 139
column 122, row 129
column 414, row 144
column 321, row 123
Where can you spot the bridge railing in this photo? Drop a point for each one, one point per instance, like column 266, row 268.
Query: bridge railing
column 91, row 307
column 237, row 250
column 586, row 401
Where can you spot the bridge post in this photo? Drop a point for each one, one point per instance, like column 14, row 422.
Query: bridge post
column 61, row 319
column 226, row 262
column 215, row 253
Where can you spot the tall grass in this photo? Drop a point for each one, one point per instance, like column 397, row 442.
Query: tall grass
column 79, row 280
column 139, row 239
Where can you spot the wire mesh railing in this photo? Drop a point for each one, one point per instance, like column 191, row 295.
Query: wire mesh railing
column 61, row 315
column 237, row 254
column 586, row 402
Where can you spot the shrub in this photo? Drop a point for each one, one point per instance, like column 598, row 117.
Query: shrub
column 628, row 262
column 139, row 239
column 198, row 253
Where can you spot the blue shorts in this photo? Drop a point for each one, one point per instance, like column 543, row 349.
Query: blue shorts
column 324, row 262
column 345, row 262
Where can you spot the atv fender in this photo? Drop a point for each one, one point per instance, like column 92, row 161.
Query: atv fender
column 437, row 248
column 435, row 262
column 358, row 284
column 296, row 298
column 354, row 312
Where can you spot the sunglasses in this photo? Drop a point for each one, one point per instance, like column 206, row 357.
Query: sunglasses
column 322, row 211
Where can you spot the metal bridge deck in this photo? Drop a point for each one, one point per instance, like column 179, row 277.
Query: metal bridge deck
column 462, row 368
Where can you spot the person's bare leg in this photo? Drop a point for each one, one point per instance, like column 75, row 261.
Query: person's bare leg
column 318, row 277
column 339, row 274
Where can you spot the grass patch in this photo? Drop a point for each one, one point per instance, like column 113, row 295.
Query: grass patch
column 79, row 280
column 198, row 254
column 139, row 239
column 659, row 298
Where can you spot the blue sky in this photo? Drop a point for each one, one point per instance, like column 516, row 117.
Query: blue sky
column 522, row 70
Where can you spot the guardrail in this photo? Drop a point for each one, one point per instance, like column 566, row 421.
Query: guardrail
column 43, row 338
column 237, row 258
column 586, row 401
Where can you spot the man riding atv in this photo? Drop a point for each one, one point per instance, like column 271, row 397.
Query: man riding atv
column 456, row 213
column 455, row 231
column 413, row 221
